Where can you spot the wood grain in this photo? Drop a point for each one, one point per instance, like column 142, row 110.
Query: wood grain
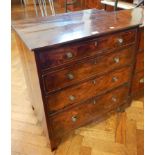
column 81, row 50
column 87, row 69
column 76, row 109
column 53, row 30
column 89, row 145
column 88, row 89
column 104, row 127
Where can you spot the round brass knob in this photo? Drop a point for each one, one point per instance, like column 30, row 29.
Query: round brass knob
column 116, row 59
column 141, row 80
column 70, row 76
column 69, row 55
column 120, row 41
column 114, row 79
column 114, row 99
column 72, row 98
column 74, row 118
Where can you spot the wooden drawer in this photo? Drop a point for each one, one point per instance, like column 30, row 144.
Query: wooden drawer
column 75, row 117
column 86, row 69
column 138, row 82
column 139, row 62
column 59, row 56
column 88, row 89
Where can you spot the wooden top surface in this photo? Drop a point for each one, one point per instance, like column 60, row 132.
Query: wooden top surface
column 43, row 32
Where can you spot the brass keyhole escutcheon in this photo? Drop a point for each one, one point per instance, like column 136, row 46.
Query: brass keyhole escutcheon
column 94, row 101
column 94, row 82
column 96, row 43
column 95, row 62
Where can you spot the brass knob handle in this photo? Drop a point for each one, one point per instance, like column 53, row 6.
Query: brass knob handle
column 72, row 98
column 141, row 80
column 69, row 55
column 74, row 118
column 114, row 99
column 120, row 41
column 96, row 43
column 114, row 79
column 116, row 59
column 70, row 76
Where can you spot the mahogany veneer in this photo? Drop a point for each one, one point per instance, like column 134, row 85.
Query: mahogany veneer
column 80, row 66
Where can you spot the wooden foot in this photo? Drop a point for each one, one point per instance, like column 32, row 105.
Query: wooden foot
column 55, row 144
column 120, row 109
column 54, row 148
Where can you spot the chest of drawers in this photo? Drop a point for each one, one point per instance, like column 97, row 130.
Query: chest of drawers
column 76, row 74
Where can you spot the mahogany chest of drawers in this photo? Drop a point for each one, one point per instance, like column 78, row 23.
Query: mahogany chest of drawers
column 80, row 66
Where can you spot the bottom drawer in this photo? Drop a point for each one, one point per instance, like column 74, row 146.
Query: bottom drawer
column 138, row 84
column 64, row 122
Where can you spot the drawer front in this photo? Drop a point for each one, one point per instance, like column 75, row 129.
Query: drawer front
column 64, row 122
column 86, row 69
column 57, row 57
column 139, row 62
column 138, row 82
column 88, row 89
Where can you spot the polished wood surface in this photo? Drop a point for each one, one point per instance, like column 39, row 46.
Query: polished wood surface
column 85, row 70
column 51, row 31
column 88, row 89
column 89, row 111
column 81, row 50
column 119, row 37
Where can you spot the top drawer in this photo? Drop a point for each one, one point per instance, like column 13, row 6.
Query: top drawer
column 68, row 53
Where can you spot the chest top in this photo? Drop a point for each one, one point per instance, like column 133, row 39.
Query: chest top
column 39, row 33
